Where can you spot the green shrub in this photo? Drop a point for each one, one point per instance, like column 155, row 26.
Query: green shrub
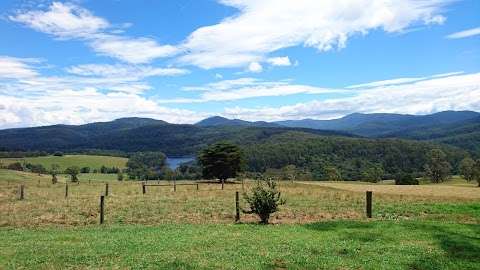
column 405, row 179
column 264, row 200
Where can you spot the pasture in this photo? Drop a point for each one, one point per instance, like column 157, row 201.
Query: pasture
column 94, row 162
column 322, row 226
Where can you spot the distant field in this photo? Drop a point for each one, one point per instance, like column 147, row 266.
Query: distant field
column 322, row 226
column 71, row 160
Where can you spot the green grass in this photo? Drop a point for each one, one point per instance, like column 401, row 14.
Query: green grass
column 71, row 160
column 325, row 245
column 322, row 226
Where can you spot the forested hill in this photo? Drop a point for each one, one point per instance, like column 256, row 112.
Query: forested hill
column 138, row 134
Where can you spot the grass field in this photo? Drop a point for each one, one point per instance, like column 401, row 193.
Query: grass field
column 322, row 226
column 94, row 162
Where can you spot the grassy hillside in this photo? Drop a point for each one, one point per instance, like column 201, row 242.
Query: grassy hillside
column 71, row 160
column 322, row 226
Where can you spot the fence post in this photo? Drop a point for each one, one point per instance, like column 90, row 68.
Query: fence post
column 237, row 207
column 66, row 190
column 22, row 194
column 197, row 186
column 174, row 185
column 102, row 204
column 106, row 189
column 369, row 204
column 143, row 188
column 223, row 181
column 243, row 183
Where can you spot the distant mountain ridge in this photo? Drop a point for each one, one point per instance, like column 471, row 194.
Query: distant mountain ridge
column 458, row 128
column 222, row 121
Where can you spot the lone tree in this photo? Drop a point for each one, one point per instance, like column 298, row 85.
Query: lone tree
column 73, row 171
column 54, row 171
column 264, row 200
column 221, row 161
column 476, row 171
column 467, row 169
column 437, row 167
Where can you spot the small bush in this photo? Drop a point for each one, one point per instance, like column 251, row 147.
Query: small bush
column 58, row 154
column 264, row 200
column 17, row 166
column 405, row 179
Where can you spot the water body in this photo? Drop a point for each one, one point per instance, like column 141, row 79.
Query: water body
column 175, row 162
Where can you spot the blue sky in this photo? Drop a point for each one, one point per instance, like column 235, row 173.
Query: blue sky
column 81, row 61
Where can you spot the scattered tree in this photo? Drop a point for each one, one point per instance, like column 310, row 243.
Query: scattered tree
column 17, row 166
column 221, row 161
column 466, row 168
column 437, row 167
column 54, row 171
column 73, row 171
column 476, row 171
column 264, row 200
column 85, row 170
column 290, row 172
column 58, row 154
column 145, row 165
column 120, row 176
column 405, row 179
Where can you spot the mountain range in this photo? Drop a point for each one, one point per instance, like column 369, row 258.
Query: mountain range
column 457, row 128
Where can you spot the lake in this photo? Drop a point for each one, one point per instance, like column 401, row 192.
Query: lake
column 174, row 162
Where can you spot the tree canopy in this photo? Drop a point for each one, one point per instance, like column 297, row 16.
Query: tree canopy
column 221, row 161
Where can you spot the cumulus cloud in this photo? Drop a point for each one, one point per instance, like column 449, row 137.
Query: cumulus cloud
column 62, row 20
column 456, row 92
column 279, row 61
column 464, row 34
column 255, row 67
column 69, row 21
column 262, row 27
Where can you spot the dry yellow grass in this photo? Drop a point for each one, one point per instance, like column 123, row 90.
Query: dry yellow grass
column 467, row 191
column 45, row 204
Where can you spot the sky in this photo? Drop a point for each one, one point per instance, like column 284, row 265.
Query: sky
column 82, row 61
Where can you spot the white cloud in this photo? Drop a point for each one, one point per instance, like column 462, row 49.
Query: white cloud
column 279, row 61
column 90, row 93
column 243, row 88
column 262, row 27
column 255, row 67
column 123, row 71
column 458, row 92
column 464, row 34
column 15, row 68
column 401, row 80
column 131, row 50
column 69, row 21
column 84, row 106
column 62, row 20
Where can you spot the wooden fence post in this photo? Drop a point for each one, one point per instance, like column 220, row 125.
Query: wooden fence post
column 102, row 204
column 66, row 190
column 22, row 193
column 106, row 189
column 369, row 204
column 237, row 207
column 223, row 181
column 197, row 186
column 174, row 185
column 243, row 184
column 143, row 188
